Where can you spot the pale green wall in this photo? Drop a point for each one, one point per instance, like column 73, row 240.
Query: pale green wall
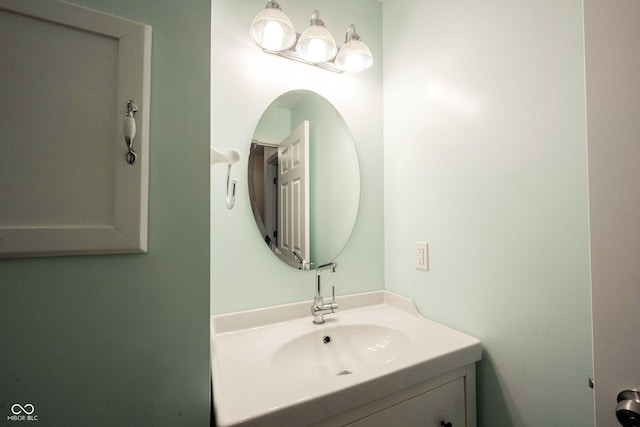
column 485, row 159
column 244, row 273
column 274, row 125
column 124, row 339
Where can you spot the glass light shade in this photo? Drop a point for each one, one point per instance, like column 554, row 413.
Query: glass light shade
column 272, row 30
column 354, row 56
column 316, row 44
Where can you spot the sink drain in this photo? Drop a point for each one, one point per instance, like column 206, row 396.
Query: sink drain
column 345, row 372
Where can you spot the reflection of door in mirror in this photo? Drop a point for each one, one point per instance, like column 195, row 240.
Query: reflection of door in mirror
column 293, row 194
column 270, row 199
column 263, row 175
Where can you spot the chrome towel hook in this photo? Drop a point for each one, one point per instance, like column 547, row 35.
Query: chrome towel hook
column 233, row 156
column 129, row 130
column 231, row 199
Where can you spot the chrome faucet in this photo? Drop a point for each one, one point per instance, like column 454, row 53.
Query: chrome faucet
column 319, row 307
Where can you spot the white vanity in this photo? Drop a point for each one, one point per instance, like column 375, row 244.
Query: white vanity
column 375, row 362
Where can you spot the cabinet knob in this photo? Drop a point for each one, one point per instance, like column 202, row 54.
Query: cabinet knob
column 444, row 424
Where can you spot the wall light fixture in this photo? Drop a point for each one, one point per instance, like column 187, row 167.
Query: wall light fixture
column 273, row 32
column 354, row 55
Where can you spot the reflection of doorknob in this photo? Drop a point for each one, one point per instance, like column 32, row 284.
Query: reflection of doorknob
column 628, row 409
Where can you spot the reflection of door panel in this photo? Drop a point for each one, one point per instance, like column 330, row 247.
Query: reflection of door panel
column 612, row 41
column 271, row 198
column 293, row 184
column 284, row 219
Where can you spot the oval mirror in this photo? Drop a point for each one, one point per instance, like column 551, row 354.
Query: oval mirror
column 304, row 179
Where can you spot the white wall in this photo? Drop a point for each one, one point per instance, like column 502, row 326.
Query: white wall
column 244, row 273
column 485, row 159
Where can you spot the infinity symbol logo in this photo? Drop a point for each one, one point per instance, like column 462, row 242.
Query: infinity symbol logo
column 28, row 409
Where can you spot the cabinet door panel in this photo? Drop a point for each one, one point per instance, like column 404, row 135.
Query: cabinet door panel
column 67, row 73
column 445, row 403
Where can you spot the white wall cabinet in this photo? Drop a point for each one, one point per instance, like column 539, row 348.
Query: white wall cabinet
column 66, row 76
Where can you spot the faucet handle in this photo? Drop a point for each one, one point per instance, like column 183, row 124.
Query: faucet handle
column 333, row 305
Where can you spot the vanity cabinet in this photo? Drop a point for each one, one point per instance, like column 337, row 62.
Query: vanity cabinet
column 449, row 398
column 432, row 408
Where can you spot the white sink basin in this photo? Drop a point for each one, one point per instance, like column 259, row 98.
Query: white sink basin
column 270, row 366
column 339, row 350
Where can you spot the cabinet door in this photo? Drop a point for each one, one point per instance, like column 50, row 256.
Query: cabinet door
column 430, row 409
column 66, row 76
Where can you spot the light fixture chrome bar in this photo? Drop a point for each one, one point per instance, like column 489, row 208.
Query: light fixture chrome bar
column 292, row 54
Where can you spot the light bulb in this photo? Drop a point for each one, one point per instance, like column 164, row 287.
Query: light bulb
column 354, row 62
column 316, row 51
column 272, row 36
